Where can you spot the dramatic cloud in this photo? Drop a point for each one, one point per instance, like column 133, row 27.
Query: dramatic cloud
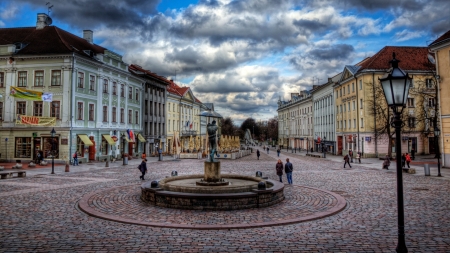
column 244, row 55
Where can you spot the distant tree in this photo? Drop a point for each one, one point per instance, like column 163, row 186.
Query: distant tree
column 250, row 123
column 272, row 128
column 228, row 127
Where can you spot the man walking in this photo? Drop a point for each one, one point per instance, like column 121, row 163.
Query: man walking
column 350, row 153
column 346, row 160
column 267, row 150
column 278, row 152
column 288, row 168
column 257, row 153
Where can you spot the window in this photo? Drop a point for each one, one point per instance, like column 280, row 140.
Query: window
column 354, row 105
column 348, row 89
column 91, row 82
column 105, row 86
column 130, row 92
column 37, row 108
column 361, row 103
column 430, row 83
column 337, row 108
column 21, row 108
column 137, row 94
column 411, row 84
column 360, row 84
column 80, row 110
column 348, row 106
column 362, row 123
column 55, row 109
column 22, row 80
column 39, row 78
column 56, row 78
column 349, row 123
column 410, row 102
column 122, row 112
column 91, row 112
column 354, row 123
column 1, row 111
column 431, row 102
column 136, row 117
column 353, row 87
column 23, row 147
column 340, row 91
column 122, row 90
column 80, row 80
column 114, row 89
column 114, row 114
column 130, row 119
column 411, row 122
column 345, row 124
column 2, row 79
column 105, row 113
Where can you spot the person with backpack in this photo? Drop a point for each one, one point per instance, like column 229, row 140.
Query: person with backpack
column 408, row 159
column 143, row 168
column 257, row 153
column 279, row 168
column 347, row 160
column 288, row 168
column 75, row 158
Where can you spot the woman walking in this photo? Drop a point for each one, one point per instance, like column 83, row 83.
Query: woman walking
column 279, row 168
column 143, row 168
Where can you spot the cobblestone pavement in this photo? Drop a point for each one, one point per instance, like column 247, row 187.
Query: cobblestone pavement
column 41, row 214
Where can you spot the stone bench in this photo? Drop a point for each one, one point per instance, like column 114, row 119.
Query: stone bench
column 313, row 155
column 10, row 174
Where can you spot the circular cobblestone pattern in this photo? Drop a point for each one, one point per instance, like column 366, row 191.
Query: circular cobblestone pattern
column 123, row 204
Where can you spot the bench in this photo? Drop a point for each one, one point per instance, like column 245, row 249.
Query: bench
column 313, row 155
column 10, row 174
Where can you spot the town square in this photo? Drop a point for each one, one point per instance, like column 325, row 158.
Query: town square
column 224, row 126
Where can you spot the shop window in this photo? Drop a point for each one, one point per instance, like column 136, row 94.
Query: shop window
column 80, row 147
column 56, row 77
column 51, row 146
column 23, row 147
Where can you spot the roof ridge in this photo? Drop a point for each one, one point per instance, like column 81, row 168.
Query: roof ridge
column 61, row 39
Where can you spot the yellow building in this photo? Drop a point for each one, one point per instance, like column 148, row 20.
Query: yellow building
column 441, row 49
column 361, row 113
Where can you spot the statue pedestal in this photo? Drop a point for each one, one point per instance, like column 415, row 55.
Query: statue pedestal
column 212, row 172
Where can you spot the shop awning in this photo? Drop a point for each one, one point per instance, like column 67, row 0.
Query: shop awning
column 127, row 139
column 85, row 139
column 109, row 139
column 141, row 138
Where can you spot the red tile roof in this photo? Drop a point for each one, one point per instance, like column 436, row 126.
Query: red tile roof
column 411, row 59
column 49, row 40
column 140, row 71
column 444, row 38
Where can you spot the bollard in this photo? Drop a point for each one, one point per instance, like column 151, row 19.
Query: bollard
column 67, row 167
column 426, row 167
column 125, row 160
column 258, row 174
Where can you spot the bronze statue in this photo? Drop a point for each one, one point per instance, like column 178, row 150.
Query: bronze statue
column 212, row 133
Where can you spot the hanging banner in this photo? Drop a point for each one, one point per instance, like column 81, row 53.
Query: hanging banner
column 30, row 94
column 35, row 121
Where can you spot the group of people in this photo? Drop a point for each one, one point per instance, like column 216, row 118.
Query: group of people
column 288, row 168
column 349, row 158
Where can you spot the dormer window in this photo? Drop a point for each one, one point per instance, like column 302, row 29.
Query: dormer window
column 20, row 46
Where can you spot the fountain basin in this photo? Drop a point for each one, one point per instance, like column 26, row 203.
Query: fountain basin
column 182, row 192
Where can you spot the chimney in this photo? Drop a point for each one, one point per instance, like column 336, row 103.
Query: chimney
column 89, row 36
column 43, row 20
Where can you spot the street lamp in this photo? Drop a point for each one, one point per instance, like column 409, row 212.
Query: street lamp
column 437, row 132
column 395, row 84
column 323, row 147
column 53, row 132
column 307, row 145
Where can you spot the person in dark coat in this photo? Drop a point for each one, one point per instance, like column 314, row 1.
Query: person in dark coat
column 387, row 162
column 257, row 153
column 278, row 152
column 403, row 160
column 279, row 168
column 288, row 168
column 267, row 150
column 143, row 168
column 347, row 160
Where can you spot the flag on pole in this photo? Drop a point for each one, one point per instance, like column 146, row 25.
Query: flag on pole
column 190, row 126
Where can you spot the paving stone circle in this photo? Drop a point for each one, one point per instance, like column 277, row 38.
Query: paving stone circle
column 123, row 204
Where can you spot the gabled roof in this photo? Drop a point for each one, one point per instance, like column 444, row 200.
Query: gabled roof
column 49, row 40
column 352, row 69
column 411, row 59
column 443, row 39
column 138, row 70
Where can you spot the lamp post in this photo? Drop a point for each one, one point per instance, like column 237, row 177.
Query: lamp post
column 53, row 132
column 324, row 147
column 395, row 84
column 437, row 132
column 307, row 145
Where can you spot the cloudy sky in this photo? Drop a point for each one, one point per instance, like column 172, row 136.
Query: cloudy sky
column 243, row 55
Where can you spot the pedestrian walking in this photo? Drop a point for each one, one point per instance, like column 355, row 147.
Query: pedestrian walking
column 257, row 153
column 279, row 168
column 278, row 152
column 288, row 168
column 350, row 153
column 358, row 156
column 346, row 160
column 75, row 158
column 267, row 150
column 408, row 159
column 403, row 160
column 143, row 168
column 387, row 162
